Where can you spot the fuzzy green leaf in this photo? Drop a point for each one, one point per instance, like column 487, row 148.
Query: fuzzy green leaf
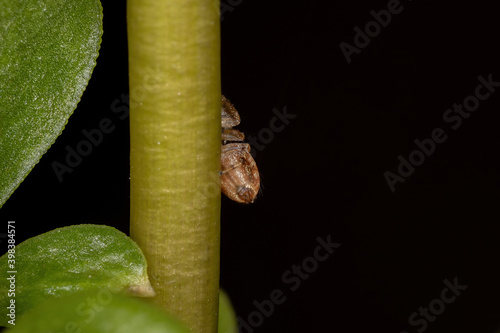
column 71, row 259
column 48, row 50
column 97, row 312
column 227, row 317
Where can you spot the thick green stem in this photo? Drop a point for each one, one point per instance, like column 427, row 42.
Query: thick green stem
column 175, row 102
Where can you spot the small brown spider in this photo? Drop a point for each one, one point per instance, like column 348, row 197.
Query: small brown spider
column 239, row 176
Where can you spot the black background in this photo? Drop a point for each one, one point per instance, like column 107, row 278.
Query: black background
column 323, row 174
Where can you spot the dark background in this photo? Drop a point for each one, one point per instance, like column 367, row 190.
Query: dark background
column 323, row 174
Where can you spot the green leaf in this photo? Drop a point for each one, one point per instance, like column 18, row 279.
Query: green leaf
column 48, row 50
column 71, row 259
column 97, row 312
column 227, row 317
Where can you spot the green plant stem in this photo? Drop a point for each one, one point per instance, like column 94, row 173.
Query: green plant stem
column 175, row 101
